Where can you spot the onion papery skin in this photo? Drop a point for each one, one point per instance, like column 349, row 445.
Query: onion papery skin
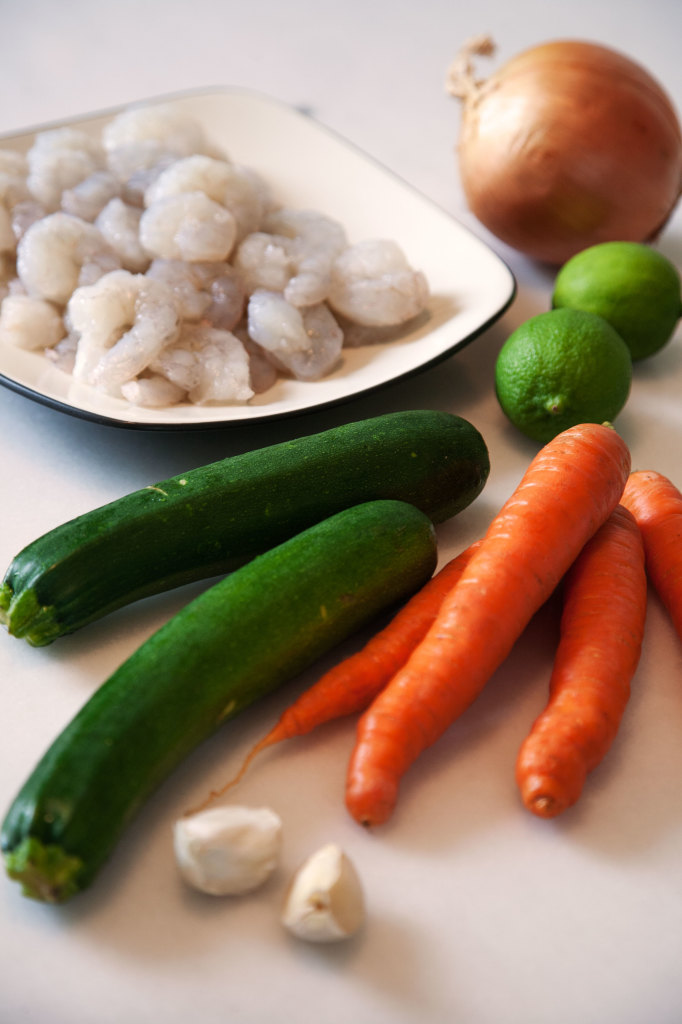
column 570, row 144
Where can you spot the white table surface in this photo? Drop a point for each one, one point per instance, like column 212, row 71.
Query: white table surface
column 478, row 913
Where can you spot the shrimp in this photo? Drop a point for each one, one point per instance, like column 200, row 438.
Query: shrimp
column 316, row 242
column 264, row 261
column 63, row 354
column 248, row 198
column 30, row 323
column 13, row 190
column 372, row 284
column 211, row 365
column 122, row 323
column 238, row 189
column 13, row 162
column 25, row 213
column 160, row 123
column 212, row 292
column 89, row 197
column 151, row 390
column 58, row 160
column 197, row 173
column 59, row 253
column 262, row 371
column 149, row 138
column 188, row 226
column 7, row 273
column 119, row 224
column 7, row 237
column 325, row 341
column 226, row 290
column 137, row 178
column 307, row 342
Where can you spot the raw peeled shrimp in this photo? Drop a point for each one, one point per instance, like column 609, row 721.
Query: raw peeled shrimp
column 212, row 292
column 188, row 226
column 88, row 198
column 209, row 364
column 316, row 241
column 7, row 273
column 13, row 190
column 264, row 261
column 122, row 322
column 197, row 173
column 373, row 284
column 18, row 208
column 325, row 342
column 237, row 188
column 152, row 391
column 158, row 123
column 305, row 342
column 262, row 371
column 59, row 253
column 25, row 213
column 8, row 240
column 137, row 178
column 247, row 197
column 13, row 162
column 119, row 225
column 144, row 140
column 29, row 323
column 60, row 159
column 63, row 354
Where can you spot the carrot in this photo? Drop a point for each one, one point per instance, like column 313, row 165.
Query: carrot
column 570, row 488
column 656, row 504
column 351, row 685
column 602, row 627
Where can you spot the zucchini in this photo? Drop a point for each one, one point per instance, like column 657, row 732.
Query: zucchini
column 211, row 520
column 242, row 637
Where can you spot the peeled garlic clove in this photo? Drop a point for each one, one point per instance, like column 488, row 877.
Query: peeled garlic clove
column 325, row 901
column 226, row 851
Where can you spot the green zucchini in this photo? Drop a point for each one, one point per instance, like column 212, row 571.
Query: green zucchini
column 242, row 637
column 211, row 520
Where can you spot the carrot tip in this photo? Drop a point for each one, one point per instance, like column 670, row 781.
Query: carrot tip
column 544, row 806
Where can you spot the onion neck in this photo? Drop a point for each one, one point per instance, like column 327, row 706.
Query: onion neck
column 461, row 81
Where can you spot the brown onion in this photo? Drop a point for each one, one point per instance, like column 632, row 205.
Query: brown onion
column 567, row 145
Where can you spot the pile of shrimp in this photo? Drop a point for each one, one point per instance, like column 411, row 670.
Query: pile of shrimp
column 150, row 266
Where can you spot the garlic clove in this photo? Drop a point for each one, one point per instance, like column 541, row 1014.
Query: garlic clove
column 325, row 901
column 226, row 851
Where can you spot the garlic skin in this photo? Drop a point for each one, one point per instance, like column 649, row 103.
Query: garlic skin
column 325, row 901
column 227, row 851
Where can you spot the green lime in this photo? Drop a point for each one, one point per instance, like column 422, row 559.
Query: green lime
column 562, row 368
column 631, row 285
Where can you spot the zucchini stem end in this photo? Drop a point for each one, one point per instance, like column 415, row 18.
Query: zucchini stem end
column 46, row 872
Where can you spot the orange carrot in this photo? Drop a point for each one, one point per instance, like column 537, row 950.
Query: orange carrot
column 602, row 626
column 570, row 488
column 351, row 685
column 656, row 504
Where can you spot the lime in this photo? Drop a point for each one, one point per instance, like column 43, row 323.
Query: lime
column 631, row 285
column 562, row 368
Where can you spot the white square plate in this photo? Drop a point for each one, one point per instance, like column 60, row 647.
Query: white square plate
column 307, row 166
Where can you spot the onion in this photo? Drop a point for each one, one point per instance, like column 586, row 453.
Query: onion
column 567, row 145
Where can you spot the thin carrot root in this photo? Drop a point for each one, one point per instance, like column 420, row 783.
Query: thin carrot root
column 568, row 491
column 602, row 627
column 216, row 794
